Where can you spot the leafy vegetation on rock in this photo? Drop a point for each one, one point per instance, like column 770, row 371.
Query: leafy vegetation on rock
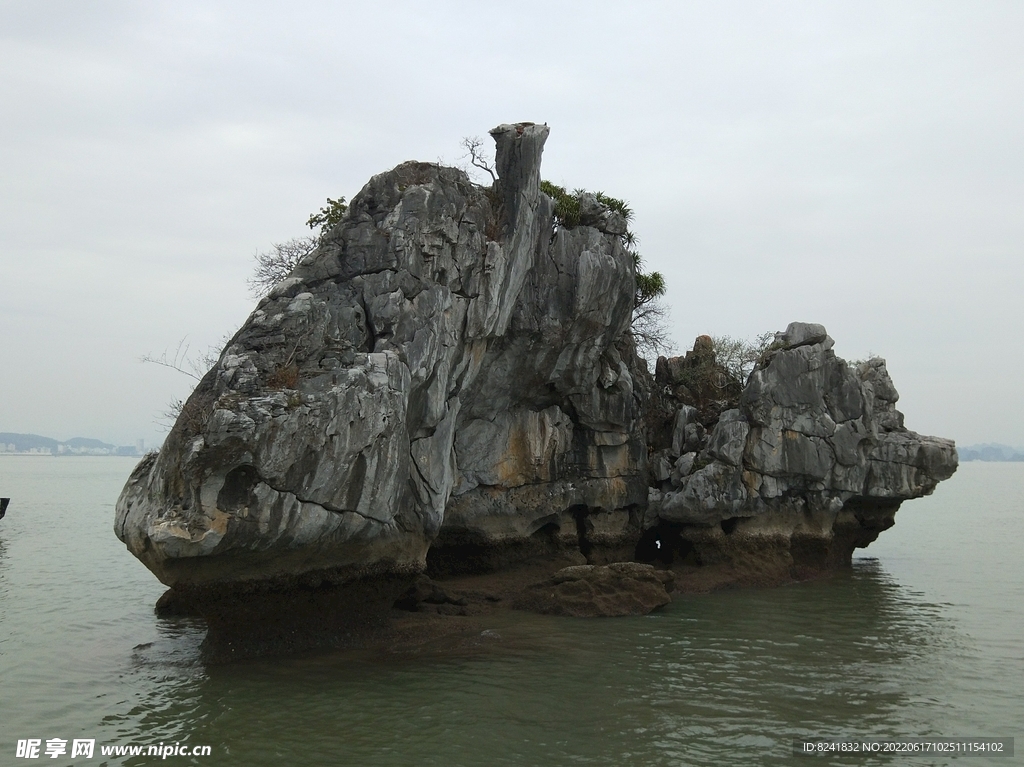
column 275, row 264
column 327, row 217
column 739, row 356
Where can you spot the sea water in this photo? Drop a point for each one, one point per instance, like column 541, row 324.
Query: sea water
column 923, row 637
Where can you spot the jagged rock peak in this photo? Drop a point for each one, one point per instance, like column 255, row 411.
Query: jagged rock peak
column 517, row 155
column 803, row 334
column 813, row 449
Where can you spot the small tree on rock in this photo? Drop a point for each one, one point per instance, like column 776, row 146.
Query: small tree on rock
column 739, row 356
column 327, row 217
column 275, row 264
column 477, row 156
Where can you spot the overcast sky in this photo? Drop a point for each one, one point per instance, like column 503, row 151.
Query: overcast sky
column 855, row 164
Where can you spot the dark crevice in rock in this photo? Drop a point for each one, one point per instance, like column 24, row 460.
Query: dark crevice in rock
column 663, row 544
column 579, row 514
column 326, row 506
column 370, row 340
column 356, row 478
column 547, row 534
column 237, row 491
column 419, row 471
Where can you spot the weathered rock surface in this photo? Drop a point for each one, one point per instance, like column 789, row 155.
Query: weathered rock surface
column 442, row 368
column 810, row 461
column 588, row 591
column 448, row 384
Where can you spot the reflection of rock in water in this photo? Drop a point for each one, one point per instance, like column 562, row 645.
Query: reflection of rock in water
column 178, row 645
column 728, row 678
column 275, row 619
column 854, row 650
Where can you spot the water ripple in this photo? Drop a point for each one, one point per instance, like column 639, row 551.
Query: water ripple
column 903, row 645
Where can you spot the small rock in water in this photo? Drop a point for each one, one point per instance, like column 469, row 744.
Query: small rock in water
column 589, row 591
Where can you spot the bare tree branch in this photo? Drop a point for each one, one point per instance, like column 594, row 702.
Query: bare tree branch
column 739, row 356
column 275, row 264
column 477, row 156
column 167, row 417
column 650, row 329
column 195, row 366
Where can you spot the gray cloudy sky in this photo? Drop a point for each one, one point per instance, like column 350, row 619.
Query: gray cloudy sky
column 858, row 164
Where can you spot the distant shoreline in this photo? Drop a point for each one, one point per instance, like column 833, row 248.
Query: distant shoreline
column 13, row 443
column 72, row 455
column 991, row 452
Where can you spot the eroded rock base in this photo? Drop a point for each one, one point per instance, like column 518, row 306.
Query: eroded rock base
column 461, row 552
column 545, row 575
column 395, row 612
column 283, row 619
column 767, row 550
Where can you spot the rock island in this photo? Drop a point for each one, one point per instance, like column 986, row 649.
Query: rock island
column 447, row 389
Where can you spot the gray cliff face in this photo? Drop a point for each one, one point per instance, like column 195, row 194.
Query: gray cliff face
column 812, row 462
column 442, row 364
column 448, row 382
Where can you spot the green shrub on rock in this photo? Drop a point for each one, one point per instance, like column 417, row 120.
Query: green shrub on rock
column 650, row 316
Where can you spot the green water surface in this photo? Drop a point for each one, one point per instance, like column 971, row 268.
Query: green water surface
column 923, row 637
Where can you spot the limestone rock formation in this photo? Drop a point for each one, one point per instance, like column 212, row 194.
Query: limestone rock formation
column 445, row 367
column 447, row 383
column 810, row 461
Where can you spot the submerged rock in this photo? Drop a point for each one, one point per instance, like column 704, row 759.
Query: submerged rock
column 588, row 591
